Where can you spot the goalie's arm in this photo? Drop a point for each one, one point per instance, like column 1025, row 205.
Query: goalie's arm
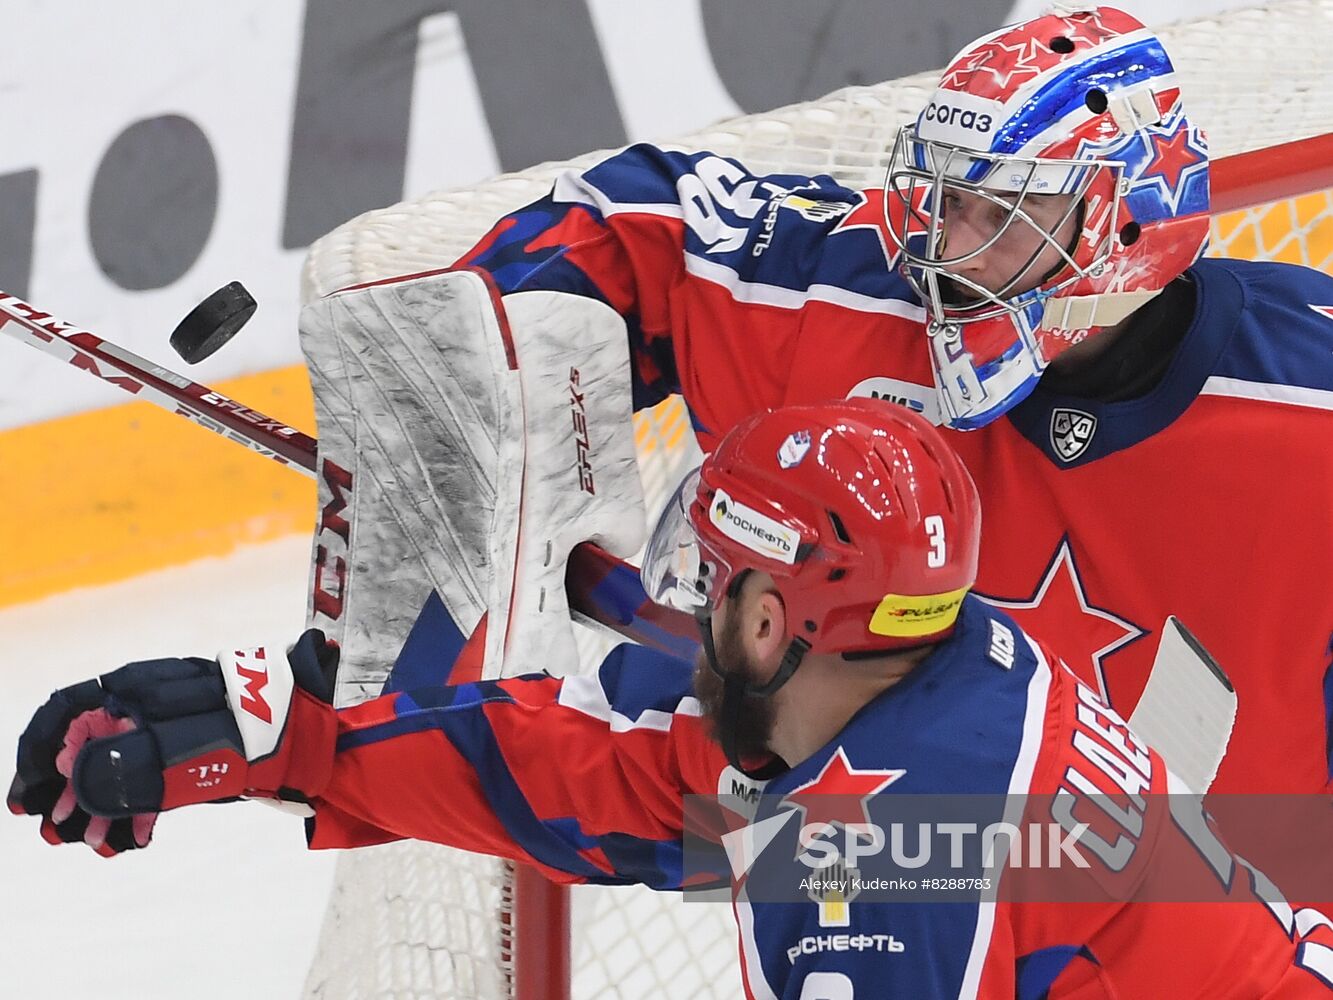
column 634, row 231
column 583, row 777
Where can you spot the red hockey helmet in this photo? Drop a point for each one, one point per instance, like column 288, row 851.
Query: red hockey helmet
column 866, row 520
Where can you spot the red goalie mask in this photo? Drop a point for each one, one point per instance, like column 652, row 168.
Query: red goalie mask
column 1052, row 185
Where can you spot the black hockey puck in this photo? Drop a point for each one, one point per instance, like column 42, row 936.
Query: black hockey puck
column 213, row 322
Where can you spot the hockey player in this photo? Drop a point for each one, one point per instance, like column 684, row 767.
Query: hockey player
column 827, row 552
column 1150, row 429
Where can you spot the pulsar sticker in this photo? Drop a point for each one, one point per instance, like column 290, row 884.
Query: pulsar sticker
column 905, row 616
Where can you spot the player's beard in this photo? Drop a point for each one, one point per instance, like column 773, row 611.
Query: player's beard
column 754, row 728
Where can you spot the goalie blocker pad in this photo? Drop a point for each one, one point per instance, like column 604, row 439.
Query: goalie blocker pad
column 465, row 446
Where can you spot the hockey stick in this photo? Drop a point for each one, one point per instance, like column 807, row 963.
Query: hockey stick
column 1188, row 707
column 602, row 589
column 155, row 384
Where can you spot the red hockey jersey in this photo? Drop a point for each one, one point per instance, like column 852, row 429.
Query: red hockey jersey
column 1207, row 498
column 586, row 777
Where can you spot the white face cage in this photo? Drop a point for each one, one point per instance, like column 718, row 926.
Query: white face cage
column 920, row 175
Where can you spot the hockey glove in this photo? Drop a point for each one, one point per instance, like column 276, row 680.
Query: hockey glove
column 101, row 759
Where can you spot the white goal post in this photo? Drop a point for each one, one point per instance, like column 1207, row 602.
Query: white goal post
column 422, row 921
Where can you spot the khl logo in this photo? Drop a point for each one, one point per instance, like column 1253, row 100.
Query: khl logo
column 1071, row 432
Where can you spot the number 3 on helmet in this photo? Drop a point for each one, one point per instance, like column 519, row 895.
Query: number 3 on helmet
column 867, row 522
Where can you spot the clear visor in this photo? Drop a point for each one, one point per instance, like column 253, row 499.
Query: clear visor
column 678, row 570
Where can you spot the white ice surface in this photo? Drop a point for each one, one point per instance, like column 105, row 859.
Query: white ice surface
column 226, row 902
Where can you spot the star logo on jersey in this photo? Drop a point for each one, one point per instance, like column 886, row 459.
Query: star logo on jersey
column 868, row 213
column 1059, row 611
column 1071, row 432
column 1325, row 311
column 839, row 792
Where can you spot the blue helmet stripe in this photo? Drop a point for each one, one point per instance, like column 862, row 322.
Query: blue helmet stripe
column 1112, row 70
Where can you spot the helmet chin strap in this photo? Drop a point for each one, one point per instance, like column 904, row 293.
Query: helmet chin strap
column 735, row 689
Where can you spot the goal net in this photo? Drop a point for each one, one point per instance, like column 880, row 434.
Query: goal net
column 418, row 920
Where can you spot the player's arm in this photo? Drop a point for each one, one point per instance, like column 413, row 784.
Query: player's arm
column 629, row 231
column 583, row 777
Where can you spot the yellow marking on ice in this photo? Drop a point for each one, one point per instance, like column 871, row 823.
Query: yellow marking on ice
column 109, row 494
